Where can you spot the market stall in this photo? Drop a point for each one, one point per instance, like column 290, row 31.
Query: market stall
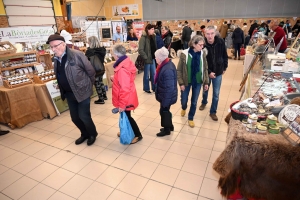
column 261, row 158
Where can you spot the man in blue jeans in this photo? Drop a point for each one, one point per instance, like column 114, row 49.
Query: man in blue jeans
column 75, row 77
column 217, row 60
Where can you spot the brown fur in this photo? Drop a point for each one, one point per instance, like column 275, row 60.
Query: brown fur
column 268, row 166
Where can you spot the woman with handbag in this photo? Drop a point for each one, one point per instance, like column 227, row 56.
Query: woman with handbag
column 124, row 96
column 238, row 41
column 96, row 54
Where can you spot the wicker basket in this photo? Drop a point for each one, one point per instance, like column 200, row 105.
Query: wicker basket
column 242, row 115
column 12, row 50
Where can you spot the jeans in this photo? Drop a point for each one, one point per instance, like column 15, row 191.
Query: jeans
column 194, row 99
column 147, row 68
column 237, row 50
column 81, row 115
column 133, row 124
column 216, row 82
column 185, row 44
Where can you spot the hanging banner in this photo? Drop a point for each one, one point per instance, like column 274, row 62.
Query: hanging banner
column 138, row 28
column 54, row 92
column 294, row 18
column 26, row 34
column 126, row 10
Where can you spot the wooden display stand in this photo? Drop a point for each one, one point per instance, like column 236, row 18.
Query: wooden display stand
column 38, row 79
column 9, row 86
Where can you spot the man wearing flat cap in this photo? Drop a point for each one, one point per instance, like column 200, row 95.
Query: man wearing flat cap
column 75, row 77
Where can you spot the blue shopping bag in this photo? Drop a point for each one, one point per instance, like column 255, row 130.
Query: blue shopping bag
column 126, row 132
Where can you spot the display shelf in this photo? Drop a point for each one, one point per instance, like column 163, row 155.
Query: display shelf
column 37, row 79
column 19, row 66
column 16, row 54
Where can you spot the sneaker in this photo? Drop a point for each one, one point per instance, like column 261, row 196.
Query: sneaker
column 191, row 123
column 162, row 134
column 149, row 92
column 104, row 97
column 99, row 101
column 202, row 107
column 214, row 117
column 182, row 113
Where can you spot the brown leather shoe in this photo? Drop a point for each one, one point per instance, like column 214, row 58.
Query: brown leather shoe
column 214, row 117
column 202, row 107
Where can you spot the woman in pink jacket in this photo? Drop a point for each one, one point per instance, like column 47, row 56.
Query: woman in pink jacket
column 124, row 94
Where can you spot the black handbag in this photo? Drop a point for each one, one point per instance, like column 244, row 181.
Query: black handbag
column 98, row 65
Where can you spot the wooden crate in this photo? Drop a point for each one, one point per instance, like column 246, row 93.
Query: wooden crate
column 12, row 50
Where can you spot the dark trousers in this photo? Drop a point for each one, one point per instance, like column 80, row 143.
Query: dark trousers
column 100, row 88
column 133, row 124
column 237, row 50
column 81, row 115
column 281, row 51
column 166, row 119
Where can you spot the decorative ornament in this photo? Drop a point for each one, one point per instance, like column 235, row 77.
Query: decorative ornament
column 208, row 20
column 251, row 21
column 203, row 20
column 218, row 22
column 269, row 21
column 245, row 20
column 240, row 20
column 234, row 21
column 262, row 21
column 294, row 18
column 199, row 22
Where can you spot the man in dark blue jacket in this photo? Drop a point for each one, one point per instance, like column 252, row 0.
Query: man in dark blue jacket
column 217, row 60
column 166, row 89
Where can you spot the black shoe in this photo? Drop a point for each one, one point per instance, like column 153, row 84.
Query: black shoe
column 99, row 101
column 162, row 134
column 80, row 140
column 171, row 129
column 149, row 92
column 3, row 132
column 91, row 140
column 104, row 97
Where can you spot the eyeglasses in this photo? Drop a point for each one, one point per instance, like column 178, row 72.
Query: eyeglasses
column 55, row 46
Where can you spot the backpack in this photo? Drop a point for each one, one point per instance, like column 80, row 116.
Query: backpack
column 98, row 65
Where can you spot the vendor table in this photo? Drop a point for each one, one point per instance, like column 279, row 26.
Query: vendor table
column 258, row 166
column 44, row 100
column 19, row 106
column 109, row 67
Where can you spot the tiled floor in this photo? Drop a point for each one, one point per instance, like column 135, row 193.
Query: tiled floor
column 41, row 161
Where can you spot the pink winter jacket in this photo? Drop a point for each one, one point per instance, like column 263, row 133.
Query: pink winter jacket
column 123, row 89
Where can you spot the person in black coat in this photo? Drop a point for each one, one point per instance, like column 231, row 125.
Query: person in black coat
column 95, row 49
column 253, row 27
column 166, row 36
column 186, row 35
column 166, row 89
column 238, row 41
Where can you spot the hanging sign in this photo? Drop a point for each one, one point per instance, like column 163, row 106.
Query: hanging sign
column 26, row 34
column 126, row 10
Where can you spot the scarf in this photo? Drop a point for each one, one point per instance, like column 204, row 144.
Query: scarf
column 119, row 61
column 164, row 35
column 195, row 65
column 158, row 69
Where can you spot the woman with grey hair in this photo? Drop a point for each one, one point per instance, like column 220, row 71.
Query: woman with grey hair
column 166, row 89
column 95, row 49
column 192, row 72
column 124, row 94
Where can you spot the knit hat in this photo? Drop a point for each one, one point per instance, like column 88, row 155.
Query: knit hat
column 162, row 53
column 54, row 37
column 67, row 36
